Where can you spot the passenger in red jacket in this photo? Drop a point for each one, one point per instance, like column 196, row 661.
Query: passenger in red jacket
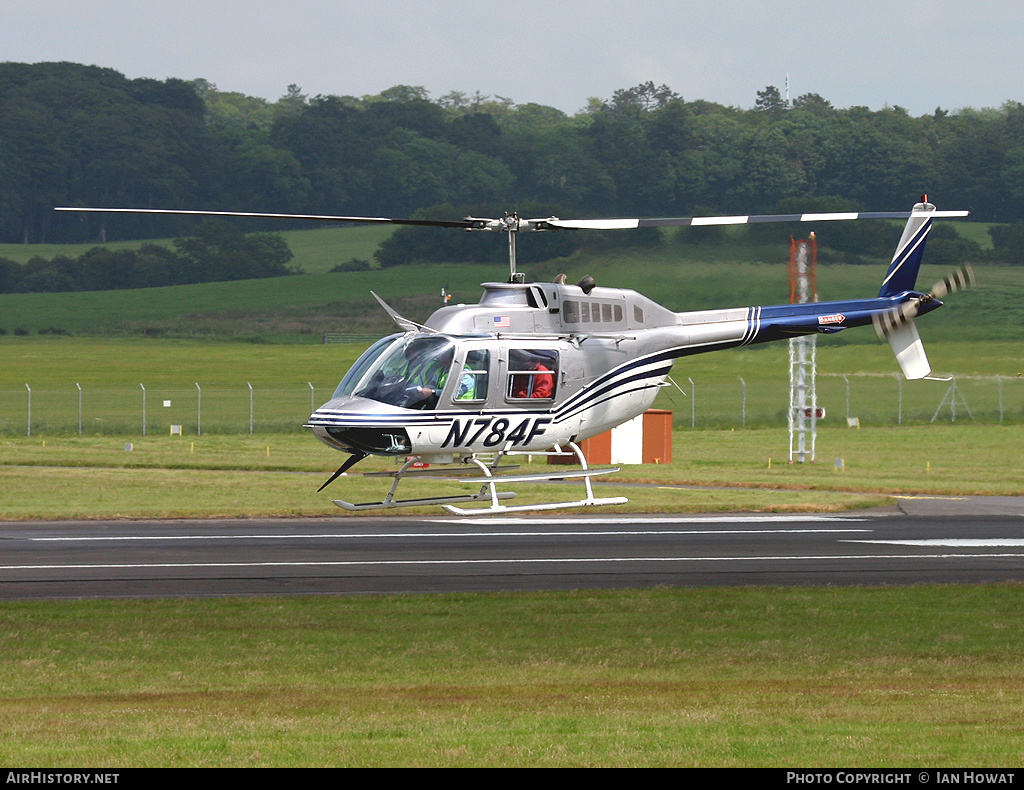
column 543, row 383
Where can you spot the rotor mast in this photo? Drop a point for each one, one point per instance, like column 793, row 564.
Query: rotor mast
column 513, row 275
column 511, row 225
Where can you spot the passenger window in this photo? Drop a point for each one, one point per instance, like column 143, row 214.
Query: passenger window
column 472, row 384
column 570, row 311
column 531, row 374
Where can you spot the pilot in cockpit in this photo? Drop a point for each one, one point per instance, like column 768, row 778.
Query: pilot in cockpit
column 425, row 374
column 410, row 372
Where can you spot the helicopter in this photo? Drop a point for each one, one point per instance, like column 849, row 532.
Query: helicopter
column 534, row 368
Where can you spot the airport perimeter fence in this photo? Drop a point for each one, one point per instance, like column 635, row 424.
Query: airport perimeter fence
column 865, row 399
column 857, row 398
column 145, row 410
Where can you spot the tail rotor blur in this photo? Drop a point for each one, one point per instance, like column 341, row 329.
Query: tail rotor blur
column 898, row 328
column 955, row 281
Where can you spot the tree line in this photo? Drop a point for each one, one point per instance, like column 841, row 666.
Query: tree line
column 83, row 135
column 217, row 251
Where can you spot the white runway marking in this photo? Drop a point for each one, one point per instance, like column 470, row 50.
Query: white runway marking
column 541, row 561
column 765, row 519
column 364, row 535
column 951, row 542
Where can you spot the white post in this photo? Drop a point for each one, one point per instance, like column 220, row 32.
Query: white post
column 250, row 407
column 199, row 410
column 28, row 431
column 143, row 409
column 79, row 408
column 693, row 403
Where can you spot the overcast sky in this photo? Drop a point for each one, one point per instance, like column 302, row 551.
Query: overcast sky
column 919, row 54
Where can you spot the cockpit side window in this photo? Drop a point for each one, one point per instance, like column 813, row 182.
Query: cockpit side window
column 532, row 373
column 411, row 374
column 472, row 384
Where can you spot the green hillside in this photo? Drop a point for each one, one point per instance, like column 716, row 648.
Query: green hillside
column 305, row 306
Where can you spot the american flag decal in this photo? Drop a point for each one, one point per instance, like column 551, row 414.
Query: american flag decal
column 501, row 321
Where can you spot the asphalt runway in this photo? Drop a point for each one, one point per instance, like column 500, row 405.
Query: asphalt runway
column 925, row 539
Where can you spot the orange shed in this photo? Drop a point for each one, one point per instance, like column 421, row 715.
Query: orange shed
column 647, row 439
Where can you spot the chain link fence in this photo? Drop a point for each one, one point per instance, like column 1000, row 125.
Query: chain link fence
column 870, row 399
column 147, row 410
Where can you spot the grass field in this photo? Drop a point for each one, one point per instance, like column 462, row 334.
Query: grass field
column 57, row 472
column 788, row 677
column 884, row 677
column 116, row 377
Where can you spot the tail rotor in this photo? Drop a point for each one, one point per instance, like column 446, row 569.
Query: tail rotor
column 897, row 325
column 891, row 320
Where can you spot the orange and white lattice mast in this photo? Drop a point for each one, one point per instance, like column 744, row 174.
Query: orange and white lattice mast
column 803, row 398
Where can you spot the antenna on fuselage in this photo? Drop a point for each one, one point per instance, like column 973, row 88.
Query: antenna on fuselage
column 402, row 321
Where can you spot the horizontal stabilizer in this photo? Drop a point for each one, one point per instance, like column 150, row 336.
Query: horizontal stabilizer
column 909, row 350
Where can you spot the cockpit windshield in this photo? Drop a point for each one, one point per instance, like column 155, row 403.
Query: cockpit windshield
column 355, row 373
column 409, row 372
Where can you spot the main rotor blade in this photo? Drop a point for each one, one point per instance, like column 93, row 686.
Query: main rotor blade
column 513, row 224
column 751, row 219
column 442, row 223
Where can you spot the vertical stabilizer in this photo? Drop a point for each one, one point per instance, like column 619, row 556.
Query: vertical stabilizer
column 909, row 350
column 906, row 262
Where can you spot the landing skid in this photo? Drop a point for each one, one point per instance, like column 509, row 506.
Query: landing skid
column 492, row 483
column 389, row 500
column 436, row 500
column 489, row 490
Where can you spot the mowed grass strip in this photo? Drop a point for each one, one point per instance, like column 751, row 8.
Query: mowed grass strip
column 89, row 493
column 733, row 470
column 880, row 677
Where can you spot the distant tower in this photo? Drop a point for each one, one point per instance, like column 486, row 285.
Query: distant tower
column 803, row 397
